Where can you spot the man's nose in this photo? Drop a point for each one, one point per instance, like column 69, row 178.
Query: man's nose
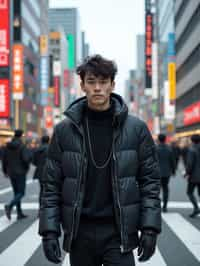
column 97, row 86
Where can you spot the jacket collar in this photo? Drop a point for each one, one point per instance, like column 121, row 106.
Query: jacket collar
column 76, row 110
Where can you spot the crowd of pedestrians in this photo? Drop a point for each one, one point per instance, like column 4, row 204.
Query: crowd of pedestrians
column 169, row 156
column 17, row 157
column 16, row 160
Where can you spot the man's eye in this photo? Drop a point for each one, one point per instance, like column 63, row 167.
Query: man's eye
column 103, row 81
column 91, row 81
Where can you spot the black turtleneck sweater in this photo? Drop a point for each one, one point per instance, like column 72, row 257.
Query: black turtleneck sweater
column 98, row 200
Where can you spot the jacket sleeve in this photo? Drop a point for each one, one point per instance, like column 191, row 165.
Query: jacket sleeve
column 50, row 209
column 172, row 161
column 149, row 182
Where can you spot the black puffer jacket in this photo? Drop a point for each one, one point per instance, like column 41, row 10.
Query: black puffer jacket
column 16, row 158
column 166, row 159
column 193, row 164
column 135, row 177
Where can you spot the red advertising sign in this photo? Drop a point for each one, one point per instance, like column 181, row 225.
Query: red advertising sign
column 18, row 72
column 148, row 49
column 56, row 91
column 4, row 33
column 4, row 98
column 191, row 114
column 66, row 78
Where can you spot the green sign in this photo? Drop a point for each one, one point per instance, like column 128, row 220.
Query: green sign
column 71, row 51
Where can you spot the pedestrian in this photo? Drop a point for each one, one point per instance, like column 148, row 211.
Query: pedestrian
column 15, row 164
column 193, row 173
column 167, row 164
column 102, row 179
column 39, row 160
column 176, row 151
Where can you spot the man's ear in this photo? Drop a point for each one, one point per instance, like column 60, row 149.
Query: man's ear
column 113, row 85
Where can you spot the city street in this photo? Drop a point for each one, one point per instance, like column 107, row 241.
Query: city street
column 180, row 234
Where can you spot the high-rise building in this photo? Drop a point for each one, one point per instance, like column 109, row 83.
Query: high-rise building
column 187, row 28
column 69, row 20
column 166, row 42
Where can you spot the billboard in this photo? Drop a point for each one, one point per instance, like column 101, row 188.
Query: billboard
column 148, row 44
column 191, row 114
column 71, row 51
column 4, row 33
column 57, row 91
column 44, row 45
column 44, row 78
column 171, row 67
column 4, row 98
column 18, row 72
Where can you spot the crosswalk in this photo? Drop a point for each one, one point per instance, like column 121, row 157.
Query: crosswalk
column 179, row 243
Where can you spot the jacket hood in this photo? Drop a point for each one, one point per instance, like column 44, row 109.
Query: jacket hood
column 14, row 144
column 76, row 109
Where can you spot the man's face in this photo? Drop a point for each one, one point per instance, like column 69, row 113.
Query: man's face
column 97, row 90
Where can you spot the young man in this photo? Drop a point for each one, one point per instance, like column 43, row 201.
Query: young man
column 16, row 160
column 102, row 181
column 193, row 173
column 39, row 160
column 167, row 164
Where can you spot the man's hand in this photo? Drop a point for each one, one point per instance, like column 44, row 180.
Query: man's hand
column 147, row 245
column 51, row 248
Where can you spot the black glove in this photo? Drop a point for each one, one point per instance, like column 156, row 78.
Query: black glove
column 147, row 245
column 51, row 248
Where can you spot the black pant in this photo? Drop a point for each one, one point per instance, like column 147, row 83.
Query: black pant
column 98, row 243
column 165, row 190
column 18, row 185
column 190, row 192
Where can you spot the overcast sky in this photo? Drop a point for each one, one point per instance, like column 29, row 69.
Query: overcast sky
column 111, row 27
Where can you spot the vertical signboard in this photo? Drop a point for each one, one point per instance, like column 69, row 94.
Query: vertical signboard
column 4, row 98
column 154, row 70
column 148, row 44
column 4, row 33
column 171, row 67
column 43, row 45
column 18, row 72
column 44, row 78
column 71, row 51
column 169, row 109
column 57, row 91
column 66, row 78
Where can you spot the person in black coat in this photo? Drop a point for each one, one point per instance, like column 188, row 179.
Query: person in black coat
column 101, row 180
column 167, row 164
column 193, row 173
column 39, row 160
column 15, row 165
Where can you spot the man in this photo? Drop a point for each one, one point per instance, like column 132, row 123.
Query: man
column 102, row 180
column 16, row 159
column 193, row 173
column 39, row 160
column 167, row 166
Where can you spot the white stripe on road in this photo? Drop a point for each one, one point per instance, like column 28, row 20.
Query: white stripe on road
column 19, row 252
column 25, row 206
column 180, row 205
column 66, row 261
column 9, row 189
column 156, row 259
column 186, row 232
column 4, row 222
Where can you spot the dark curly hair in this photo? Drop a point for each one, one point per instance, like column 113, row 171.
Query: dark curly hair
column 98, row 66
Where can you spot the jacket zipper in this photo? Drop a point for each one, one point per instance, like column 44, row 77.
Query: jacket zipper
column 120, row 211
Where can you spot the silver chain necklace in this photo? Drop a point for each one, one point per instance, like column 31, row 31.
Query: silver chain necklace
column 91, row 153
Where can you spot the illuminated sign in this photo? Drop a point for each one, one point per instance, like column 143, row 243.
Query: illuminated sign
column 56, row 91
column 172, row 81
column 148, row 44
column 4, row 98
column 18, row 72
column 44, row 45
column 191, row 114
column 4, row 33
column 66, row 78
